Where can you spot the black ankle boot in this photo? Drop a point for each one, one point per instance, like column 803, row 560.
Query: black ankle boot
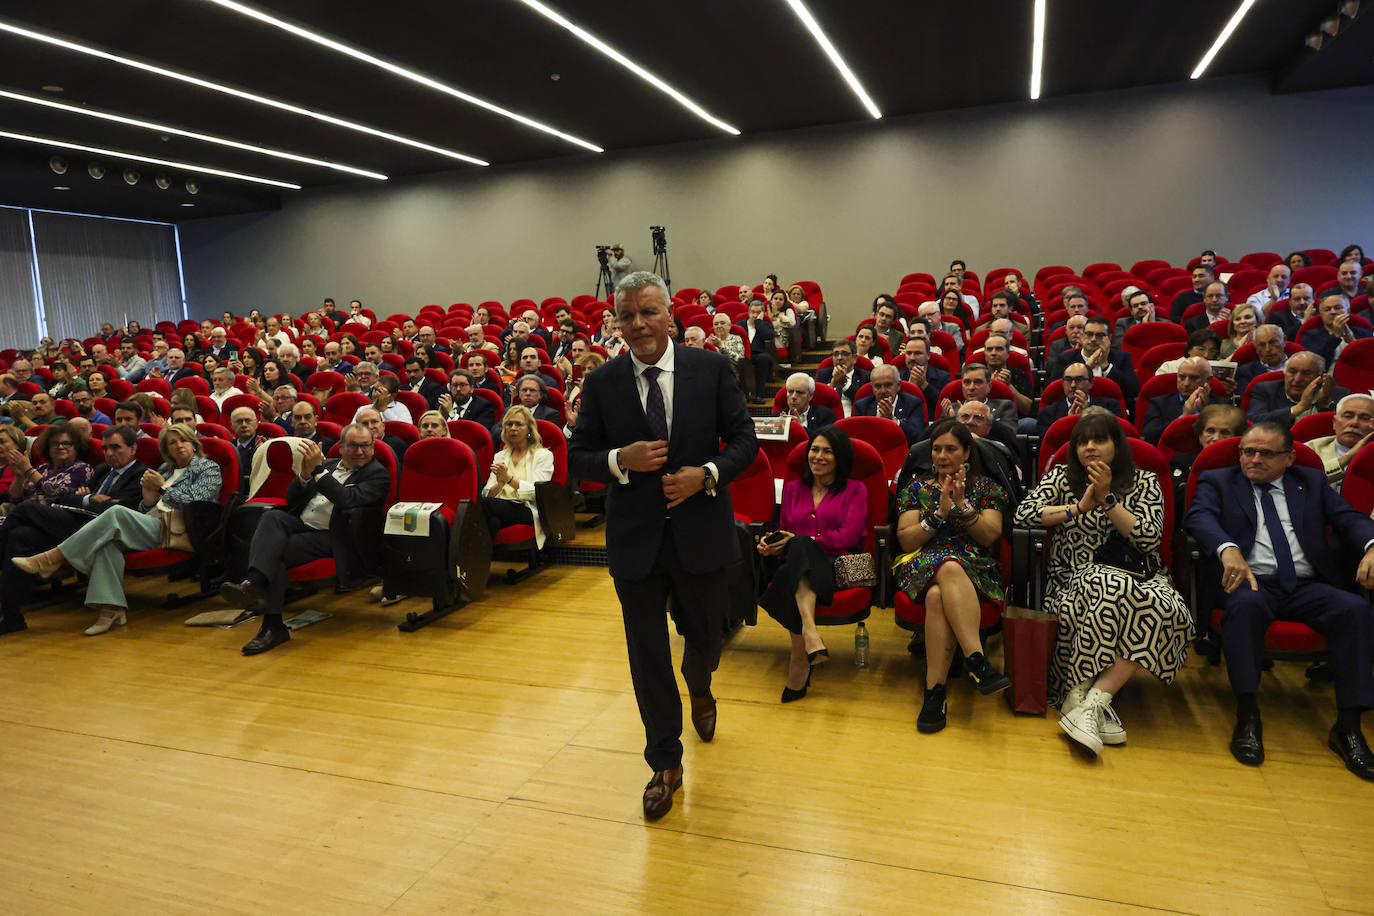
column 932, row 717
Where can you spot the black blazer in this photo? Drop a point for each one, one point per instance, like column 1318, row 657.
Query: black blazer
column 430, row 391
column 907, row 412
column 127, row 491
column 817, row 417
column 478, row 410
column 857, row 379
column 1119, row 370
column 366, row 488
column 708, row 408
column 1269, row 401
column 763, row 335
column 1161, row 411
column 936, row 380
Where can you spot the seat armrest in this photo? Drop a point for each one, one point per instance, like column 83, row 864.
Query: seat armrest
column 554, row 504
column 884, row 552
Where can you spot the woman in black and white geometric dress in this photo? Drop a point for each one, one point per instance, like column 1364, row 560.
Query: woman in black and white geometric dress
column 1112, row 623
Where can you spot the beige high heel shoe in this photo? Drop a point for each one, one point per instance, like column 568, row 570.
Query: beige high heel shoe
column 44, row 565
column 110, row 616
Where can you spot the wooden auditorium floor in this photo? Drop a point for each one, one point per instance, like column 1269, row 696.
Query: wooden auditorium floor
column 491, row 763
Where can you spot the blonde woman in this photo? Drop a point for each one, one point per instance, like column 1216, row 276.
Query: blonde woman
column 432, row 425
column 508, row 497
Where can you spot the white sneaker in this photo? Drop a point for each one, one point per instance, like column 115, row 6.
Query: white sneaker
column 1082, row 723
column 1109, row 727
column 378, row 595
column 1074, row 697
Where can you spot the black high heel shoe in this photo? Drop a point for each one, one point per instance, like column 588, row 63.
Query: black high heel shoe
column 788, row 694
column 819, row 657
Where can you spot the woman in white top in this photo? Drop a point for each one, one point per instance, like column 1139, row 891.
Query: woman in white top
column 508, row 497
column 780, row 311
column 866, row 345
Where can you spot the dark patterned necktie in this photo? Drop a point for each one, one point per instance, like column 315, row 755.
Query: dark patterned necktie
column 653, row 406
column 1283, row 555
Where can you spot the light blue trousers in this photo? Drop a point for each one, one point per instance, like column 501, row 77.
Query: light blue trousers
column 98, row 550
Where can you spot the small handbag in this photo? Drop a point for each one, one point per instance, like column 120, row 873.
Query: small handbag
column 1119, row 553
column 855, row 570
column 174, row 534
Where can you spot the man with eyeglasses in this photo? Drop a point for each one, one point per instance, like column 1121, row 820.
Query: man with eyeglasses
column 317, row 521
column 563, row 341
column 1102, row 360
column 889, row 402
column 842, row 374
column 1265, row 523
column 85, row 407
column 33, row 527
column 1194, row 392
column 459, row 403
column 1077, row 383
column 1306, row 388
column 1352, row 429
column 1216, row 306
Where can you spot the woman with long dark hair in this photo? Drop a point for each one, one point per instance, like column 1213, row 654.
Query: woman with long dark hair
column 1108, row 585
column 947, row 524
column 822, row 517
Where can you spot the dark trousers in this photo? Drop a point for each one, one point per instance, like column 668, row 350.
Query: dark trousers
column 1341, row 617
column 30, row 528
column 763, row 368
column 698, row 603
column 501, row 513
column 281, row 542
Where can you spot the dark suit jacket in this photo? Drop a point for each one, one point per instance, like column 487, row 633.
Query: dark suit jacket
column 172, row 376
column 1119, row 370
column 127, row 491
column 908, row 411
column 1046, row 416
column 1224, row 510
column 1181, row 302
column 366, row 488
column 1248, row 372
column 228, row 351
column 479, row 410
column 1163, row 410
column 1268, row 401
column 1198, row 322
column 1323, row 343
column 1283, row 316
column 430, row 391
column 936, row 380
column 763, row 336
column 817, row 417
column 857, row 379
column 708, row 408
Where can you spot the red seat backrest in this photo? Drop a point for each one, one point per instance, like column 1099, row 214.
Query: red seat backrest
column 885, row 436
column 1226, row 453
column 439, row 471
column 868, row 469
column 478, row 438
column 752, row 492
column 341, row 407
column 1359, row 481
column 279, row 458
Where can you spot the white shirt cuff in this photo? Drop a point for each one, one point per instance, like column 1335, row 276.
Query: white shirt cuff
column 1235, row 545
column 613, row 462
column 715, row 475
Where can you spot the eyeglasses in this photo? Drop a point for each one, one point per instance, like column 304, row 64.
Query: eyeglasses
column 358, row 446
column 839, row 352
column 1265, row 453
column 63, row 445
column 1077, row 380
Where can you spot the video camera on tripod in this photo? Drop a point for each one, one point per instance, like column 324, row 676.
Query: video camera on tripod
column 660, row 237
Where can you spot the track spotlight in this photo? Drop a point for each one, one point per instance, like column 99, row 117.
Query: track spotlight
column 1350, row 9
column 96, row 170
column 162, row 182
column 1314, row 41
column 58, row 165
column 131, row 177
column 1331, row 26
column 192, row 186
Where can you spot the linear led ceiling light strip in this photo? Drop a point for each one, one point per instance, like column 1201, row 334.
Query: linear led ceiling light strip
column 1226, row 31
column 397, row 70
column 133, row 157
column 556, row 17
column 22, row 32
column 1037, row 49
column 810, row 22
column 168, row 129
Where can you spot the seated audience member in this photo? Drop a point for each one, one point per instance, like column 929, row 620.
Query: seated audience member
column 1216, row 307
column 129, row 360
column 727, row 343
column 1347, row 280
column 822, row 517
column 334, row 361
column 929, row 314
column 842, row 374
column 976, row 416
column 1290, row 313
column 1270, row 355
column 154, row 367
column 1214, row 423
column 1205, row 343
column 459, row 403
column 1297, row 261
column 1003, row 304
column 947, row 524
column 1245, row 318
column 65, row 381
column 243, row 422
column 1353, row 427
column 564, row 339
column 370, row 418
column 1304, row 389
column 1140, row 310
column 432, row 425
column 314, row 524
column 796, row 297
column 866, row 345
column 609, row 328
column 521, row 462
column 1202, row 275
column 33, row 527
column 1013, row 284
column 1264, row 521
column 84, row 402
column 9, row 388
column 694, row 337
column 63, row 471
column 1075, row 304
column 1103, row 360
column 222, row 385
column 44, row 412
column 355, row 314
column 1059, row 349
column 183, row 414
column 477, row 340
column 1328, row 339
column 384, row 400
column 995, row 353
column 220, row 346
column 477, row 363
column 418, row 383
column 1077, row 382
column 130, row 413
column 282, row 403
column 800, row 389
column 1112, row 622
column 954, row 283
column 364, row 378
column 289, row 355
column 305, row 425
column 176, row 368
column 889, row 402
column 977, row 386
column 916, row 368
column 1194, row 392
column 1275, row 289
column 97, row 549
column 429, row 338
column 531, row 363
column 887, row 324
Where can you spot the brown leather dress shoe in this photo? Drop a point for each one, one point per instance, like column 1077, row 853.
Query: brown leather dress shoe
column 658, row 794
column 245, row 594
column 267, row 638
column 704, row 716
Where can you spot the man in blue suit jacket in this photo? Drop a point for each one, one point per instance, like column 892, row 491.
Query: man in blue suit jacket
column 1303, row 390
column 1265, row 523
column 1194, row 393
column 651, row 427
column 800, row 389
column 889, row 401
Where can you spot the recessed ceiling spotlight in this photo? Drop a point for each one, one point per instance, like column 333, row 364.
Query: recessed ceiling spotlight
column 555, row 76
column 60, row 187
column 192, row 186
column 1350, row 9
column 51, row 88
column 96, row 170
column 58, row 165
column 188, row 205
column 1331, row 26
column 163, row 182
column 131, row 176
column 1314, row 41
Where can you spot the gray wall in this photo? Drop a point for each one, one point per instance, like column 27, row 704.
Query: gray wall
column 1119, row 176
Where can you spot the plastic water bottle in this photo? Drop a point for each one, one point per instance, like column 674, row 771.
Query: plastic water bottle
column 861, row 646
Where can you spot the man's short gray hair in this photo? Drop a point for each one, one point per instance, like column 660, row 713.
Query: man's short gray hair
column 280, row 388
column 343, row 434
column 810, row 382
column 289, row 349
column 885, row 369
column 1340, row 405
column 227, row 371
column 365, row 366
column 639, row 279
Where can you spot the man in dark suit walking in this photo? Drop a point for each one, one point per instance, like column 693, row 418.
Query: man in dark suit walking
column 33, row 527
column 800, row 389
column 650, row 428
column 315, row 523
column 1265, row 523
